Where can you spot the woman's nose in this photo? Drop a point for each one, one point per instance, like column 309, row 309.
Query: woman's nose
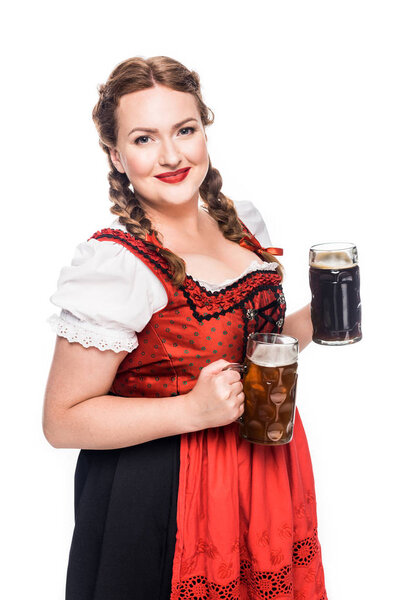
column 169, row 154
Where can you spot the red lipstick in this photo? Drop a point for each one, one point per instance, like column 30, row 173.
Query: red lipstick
column 174, row 176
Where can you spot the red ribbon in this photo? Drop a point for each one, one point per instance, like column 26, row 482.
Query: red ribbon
column 276, row 251
column 150, row 237
column 249, row 241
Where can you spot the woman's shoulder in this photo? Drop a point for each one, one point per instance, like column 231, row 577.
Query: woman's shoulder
column 105, row 294
column 99, row 266
column 103, row 251
column 95, row 259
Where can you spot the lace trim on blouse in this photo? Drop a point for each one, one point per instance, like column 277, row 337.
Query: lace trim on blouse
column 75, row 330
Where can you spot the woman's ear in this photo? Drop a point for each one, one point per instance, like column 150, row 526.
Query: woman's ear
column 116, row 160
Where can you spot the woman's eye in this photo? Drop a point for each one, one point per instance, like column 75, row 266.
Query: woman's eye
column 192, row 129
column 142, row 137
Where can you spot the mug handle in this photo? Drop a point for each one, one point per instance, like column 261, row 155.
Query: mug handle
column 241, row 369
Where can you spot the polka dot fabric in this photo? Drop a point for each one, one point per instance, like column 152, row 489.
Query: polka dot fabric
column 246, row 513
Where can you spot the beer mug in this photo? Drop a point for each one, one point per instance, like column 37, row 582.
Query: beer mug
column 335, row 294
column 269, row 385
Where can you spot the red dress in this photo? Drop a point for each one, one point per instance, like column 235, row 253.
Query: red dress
column 246, row 521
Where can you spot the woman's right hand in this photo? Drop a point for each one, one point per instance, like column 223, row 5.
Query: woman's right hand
column 217, row 398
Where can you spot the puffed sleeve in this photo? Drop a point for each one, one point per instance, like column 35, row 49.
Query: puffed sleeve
column 106, row 295
column 252, row 218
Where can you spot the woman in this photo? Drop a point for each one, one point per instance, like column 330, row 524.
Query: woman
column 169, row 501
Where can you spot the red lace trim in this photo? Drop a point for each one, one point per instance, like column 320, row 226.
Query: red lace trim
column 232, row 294
column 262, row 585
column 132, row 243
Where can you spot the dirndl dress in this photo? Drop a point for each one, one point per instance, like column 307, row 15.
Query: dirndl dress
column 206, row 514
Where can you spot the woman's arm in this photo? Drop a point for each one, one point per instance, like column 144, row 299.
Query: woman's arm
column 108, row 422
column 79, row 412
column 299, row 325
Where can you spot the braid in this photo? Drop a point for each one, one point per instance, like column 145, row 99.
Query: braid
column 131, row 214
column 129, row 211
column 220, row 207
column 223, row 210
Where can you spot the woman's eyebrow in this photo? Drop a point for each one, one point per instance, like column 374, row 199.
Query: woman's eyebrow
column 156, row 130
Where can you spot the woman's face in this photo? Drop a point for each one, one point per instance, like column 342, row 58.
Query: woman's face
column 171, row 145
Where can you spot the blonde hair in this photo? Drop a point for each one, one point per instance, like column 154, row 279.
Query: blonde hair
column 136, row 74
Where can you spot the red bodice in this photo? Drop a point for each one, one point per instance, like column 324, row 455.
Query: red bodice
column 196, row 327
column 246, row 516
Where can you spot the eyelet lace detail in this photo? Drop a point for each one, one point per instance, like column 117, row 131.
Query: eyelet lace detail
column 262, row 585
column 68, row 326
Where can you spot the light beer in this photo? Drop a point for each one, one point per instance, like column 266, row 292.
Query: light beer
column 269, row 386
column 269, row 411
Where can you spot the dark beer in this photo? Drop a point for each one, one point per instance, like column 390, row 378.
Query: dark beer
column 335, row 293
column 269, row 412
column 336, row 304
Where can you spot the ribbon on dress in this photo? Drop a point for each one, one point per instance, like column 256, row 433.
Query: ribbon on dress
column 151, row 238
column 249, row 241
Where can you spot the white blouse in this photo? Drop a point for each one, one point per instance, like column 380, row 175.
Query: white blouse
column 107, row 294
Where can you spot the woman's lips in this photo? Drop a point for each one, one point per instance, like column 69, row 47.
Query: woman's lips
column 180, row 176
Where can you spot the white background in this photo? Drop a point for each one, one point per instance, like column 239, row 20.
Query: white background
column 306, row 98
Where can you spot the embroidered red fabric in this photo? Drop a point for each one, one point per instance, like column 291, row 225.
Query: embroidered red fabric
column 246, row 513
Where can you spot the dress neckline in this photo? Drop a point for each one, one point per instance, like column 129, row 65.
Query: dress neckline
column 210, row 287
column 253, row 266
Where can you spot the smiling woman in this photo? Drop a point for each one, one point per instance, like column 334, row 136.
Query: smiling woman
column 170, row 502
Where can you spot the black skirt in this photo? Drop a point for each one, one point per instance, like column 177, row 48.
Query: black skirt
column 123, row 542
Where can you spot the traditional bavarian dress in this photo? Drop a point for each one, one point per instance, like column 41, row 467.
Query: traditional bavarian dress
column 206, row 514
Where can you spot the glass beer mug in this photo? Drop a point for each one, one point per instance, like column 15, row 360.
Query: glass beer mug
column 335, row 294
column 269, row 385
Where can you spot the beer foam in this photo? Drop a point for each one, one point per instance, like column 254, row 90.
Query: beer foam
column 332, row 260
column 274, row 355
